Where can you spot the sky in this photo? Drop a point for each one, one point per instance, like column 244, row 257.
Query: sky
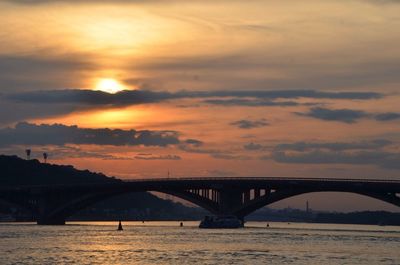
column 137, row 89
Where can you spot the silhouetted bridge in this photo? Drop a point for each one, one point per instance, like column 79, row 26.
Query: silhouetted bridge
column 221, row 196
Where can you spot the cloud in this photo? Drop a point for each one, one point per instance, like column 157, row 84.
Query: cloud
column 253, row 147
column 38, row 2
column 57, row 134
column 195, row 149
column 130, row 97
column 388, row 116
column 383, row 2
column 291, row 94
column 249, row 124
column 229, row 156
column 144, row 96
column 157, row 157
column 90, row 97
column 247, row 68
column 59, row 152
column 352, row 153
column 333, row 146
column 341, row 115
column 194, row 142
column 31, row 72
column 220, row 173
column 10, row 64
column 250, row 102
column 382, row 159
column 44, row 103
column 215, row 153
column 347, row 115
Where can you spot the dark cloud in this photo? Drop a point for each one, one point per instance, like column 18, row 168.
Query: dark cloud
column 250, row 102
column 37, row 2
column 145, row 96
column 220, row 173
column 335, row 146
column 388, row 116
column 238, row 70
column 58, row 134
column 45, row 103
column 291, row 94
column 195, row 149
column 352, row 153
column 22, row 64
column 215, row 153
column 11, row 112
column 194, row 142
column 33, row 104
column 250, row 124
column 383, row 2
column 348, row 115
column 31, row 72
column 382, row 159
column 341, row 115
column 157, row 157
column 91, row 97
column 60, row 152
column 253, row 147
column 229, row 156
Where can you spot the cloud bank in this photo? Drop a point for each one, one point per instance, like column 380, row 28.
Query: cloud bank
column 347, row 115
column 250, row 124
column 57, row 134
column 351, row 153
column 44, row 103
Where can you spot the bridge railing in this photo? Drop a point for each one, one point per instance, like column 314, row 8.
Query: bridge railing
column 366, row 180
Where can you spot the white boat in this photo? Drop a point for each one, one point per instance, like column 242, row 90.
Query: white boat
column 229, row 221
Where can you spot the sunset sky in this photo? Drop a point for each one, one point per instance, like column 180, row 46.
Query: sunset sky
column 137, row 88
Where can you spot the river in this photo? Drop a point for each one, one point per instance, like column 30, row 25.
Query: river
column 168, row 243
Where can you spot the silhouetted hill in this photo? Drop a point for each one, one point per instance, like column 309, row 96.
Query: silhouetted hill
column 296, row 215
column 139, row 206
column 18, row 171
column 366, row 217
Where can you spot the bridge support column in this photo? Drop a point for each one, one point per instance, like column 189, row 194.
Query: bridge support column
column 50, row 221
column 46, row 203
column 229, row 201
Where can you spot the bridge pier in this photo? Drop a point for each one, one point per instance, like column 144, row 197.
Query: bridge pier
column 229, row 200
column 52, row 204
column 47, row 204
column 50, row 221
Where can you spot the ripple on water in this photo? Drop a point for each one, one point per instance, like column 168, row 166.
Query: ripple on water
column 101, row 244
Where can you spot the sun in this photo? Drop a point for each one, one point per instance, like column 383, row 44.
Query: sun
column 109, row 85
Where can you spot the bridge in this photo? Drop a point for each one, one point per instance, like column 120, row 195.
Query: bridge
column 52, row 204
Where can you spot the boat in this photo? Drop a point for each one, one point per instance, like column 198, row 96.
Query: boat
column 120, row 226
column 227, row 221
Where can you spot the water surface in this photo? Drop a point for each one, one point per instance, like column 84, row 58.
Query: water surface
column 167, row 243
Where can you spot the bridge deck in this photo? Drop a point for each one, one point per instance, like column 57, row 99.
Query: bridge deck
column 391, row 185
column 266, row 179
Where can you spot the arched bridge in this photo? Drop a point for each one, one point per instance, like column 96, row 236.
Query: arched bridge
column 221, row 196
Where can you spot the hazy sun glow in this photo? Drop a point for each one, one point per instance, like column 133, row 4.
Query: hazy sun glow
column 109, row 85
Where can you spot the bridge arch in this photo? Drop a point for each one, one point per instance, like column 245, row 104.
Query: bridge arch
column 70, row 206
column 279, row 195
column 221, row 196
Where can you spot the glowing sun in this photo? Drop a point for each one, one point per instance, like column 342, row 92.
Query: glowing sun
column 109, row 85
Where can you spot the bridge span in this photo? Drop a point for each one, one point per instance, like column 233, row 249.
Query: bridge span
column 52, row 204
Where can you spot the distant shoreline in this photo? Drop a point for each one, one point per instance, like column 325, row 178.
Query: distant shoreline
column 380, row 218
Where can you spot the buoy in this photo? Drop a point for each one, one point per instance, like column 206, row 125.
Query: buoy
column 120, row 226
